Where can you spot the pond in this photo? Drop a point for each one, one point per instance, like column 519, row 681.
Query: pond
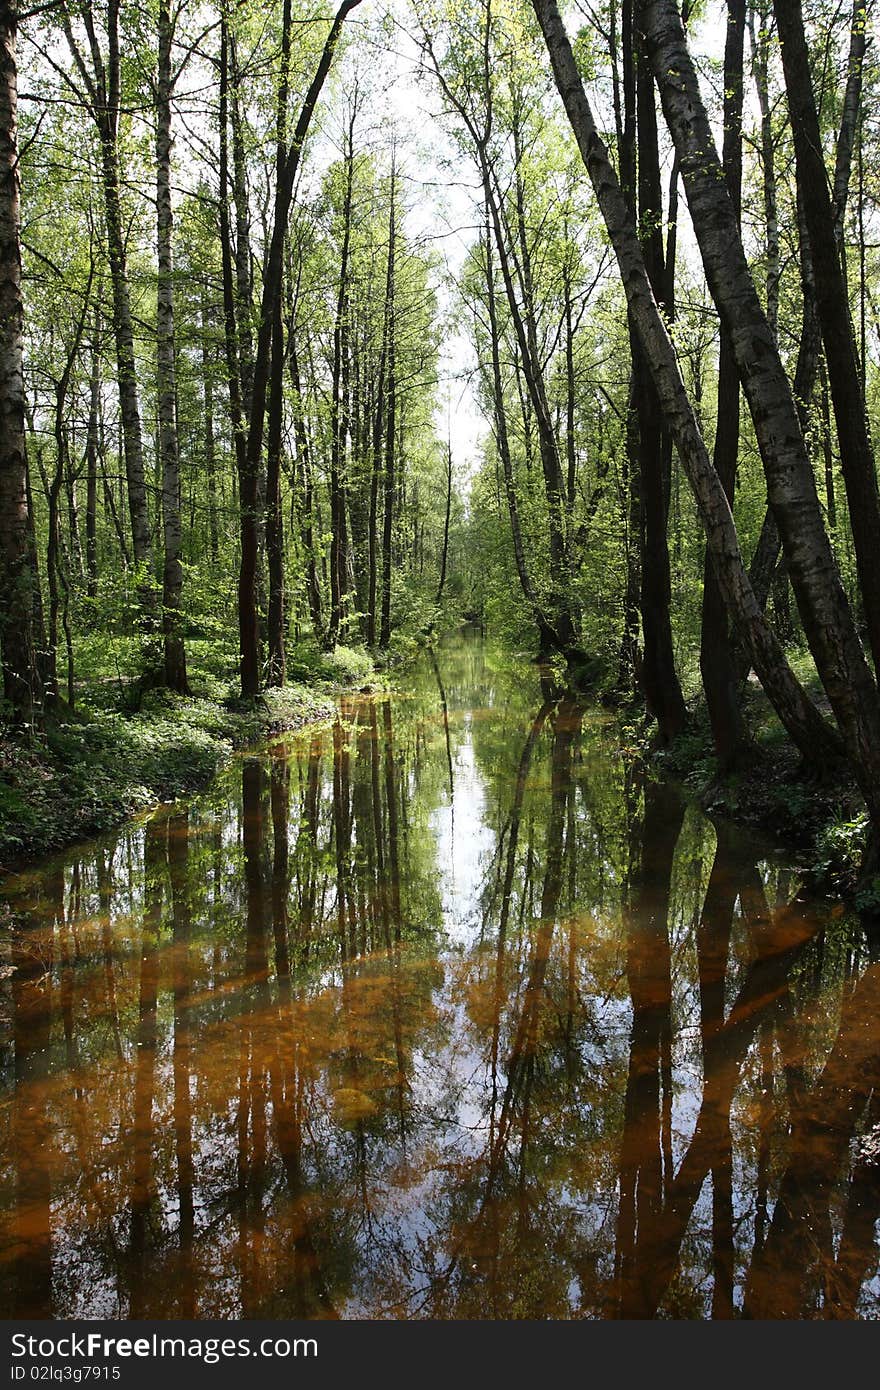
column 445, row 1010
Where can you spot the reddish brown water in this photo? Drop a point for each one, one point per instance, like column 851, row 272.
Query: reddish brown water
column 445, row 1011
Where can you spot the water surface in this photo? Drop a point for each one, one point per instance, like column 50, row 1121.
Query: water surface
column 445, row 1011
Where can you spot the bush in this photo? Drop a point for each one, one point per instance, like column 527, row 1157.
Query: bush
column 345, row 666
column 348, row 666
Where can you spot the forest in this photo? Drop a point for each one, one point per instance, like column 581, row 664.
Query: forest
column 261, row 266
column 440, row 636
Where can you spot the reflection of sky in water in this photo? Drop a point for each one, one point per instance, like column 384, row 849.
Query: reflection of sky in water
column 464, row 840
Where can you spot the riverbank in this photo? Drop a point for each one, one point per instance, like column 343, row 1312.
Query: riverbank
column 822, row 819
column 91, row 770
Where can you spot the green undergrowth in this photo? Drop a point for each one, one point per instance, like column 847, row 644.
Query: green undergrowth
column 344, row 667
column 122, row 751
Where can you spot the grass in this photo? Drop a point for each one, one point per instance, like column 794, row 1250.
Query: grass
column 88, row 771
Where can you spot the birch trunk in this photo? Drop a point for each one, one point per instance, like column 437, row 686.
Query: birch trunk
column 102, row 82
column 548, row 637
column 796, row 711
column 304, row 462
column 340, row 424
column 658, row 676
column 21, row 687
column 832, row 304
column 92, row 446
column 390, row 424
column 716, row 656
column 824, row 609
column 274, row 516
column 210, row 452
column 272, row 281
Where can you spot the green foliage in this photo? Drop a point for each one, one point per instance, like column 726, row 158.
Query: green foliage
column 344, row 668
column 839, row 849
column 347, row 666
column 92, row 771
column 690, row 757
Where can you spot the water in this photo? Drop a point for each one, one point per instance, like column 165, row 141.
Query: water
column 444, row 1011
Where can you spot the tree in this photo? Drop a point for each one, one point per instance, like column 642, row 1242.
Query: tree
column 21, row 679
column 825, row 612
column 166, row 390
column 716, row 655
column 100, row 74
column 795, row 709
column 271, row 297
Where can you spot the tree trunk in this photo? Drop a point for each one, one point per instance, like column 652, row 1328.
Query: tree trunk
column 525, row 325
column 272, row 282
column 21, row 686
column 550, row 464
column 102, row 85
column 247, row 609
column 75, row 546
column 570, row 398
column 166, row 387
column 716, row 654
column 547, row 636
column 379, row 426
column 92, row 444
column 630, row 664
column 796, row 711
column 827, row 456
column 274, row 517
column 141, row 541
column 277, row 666
column 760, row 47
column 210, row 452
column 629, row 675
column 340, row 424
column 244, row 303
column 825, row 612
column 841, row 356
column 304, row 462
column 54, row 572
column 445, row 551
column 849, row 121
column 658, row 675
column 390, row 421
column 765, row 560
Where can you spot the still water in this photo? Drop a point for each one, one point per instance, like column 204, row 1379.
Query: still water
column 444, row 1011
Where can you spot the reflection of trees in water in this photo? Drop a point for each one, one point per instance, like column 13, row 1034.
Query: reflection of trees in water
column 32, row 1008
column 499, row 1227
column 502, row 1190
column 250, row 1078
column 646, row 1148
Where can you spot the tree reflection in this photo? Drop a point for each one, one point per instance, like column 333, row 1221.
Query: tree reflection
column 142, row 1187
column 32, row 1006
column 645, row 1155
column 797, row 1271
column 264, row 1061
